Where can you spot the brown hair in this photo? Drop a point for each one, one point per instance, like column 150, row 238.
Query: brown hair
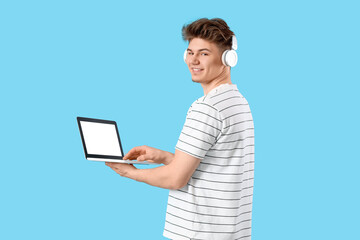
column 214, row 30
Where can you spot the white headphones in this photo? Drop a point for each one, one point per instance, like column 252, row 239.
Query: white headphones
column 229, row 57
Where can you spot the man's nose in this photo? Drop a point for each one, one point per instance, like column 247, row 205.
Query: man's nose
column 194, row 59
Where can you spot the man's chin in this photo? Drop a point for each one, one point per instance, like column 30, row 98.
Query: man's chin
column 196, row 80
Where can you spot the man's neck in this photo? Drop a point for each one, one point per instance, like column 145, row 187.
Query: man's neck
column 223, row 79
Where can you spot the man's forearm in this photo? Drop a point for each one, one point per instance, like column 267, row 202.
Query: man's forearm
column 167, row 157
column 163, row 177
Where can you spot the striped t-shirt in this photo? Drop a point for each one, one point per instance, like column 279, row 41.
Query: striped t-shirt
column 217, row 201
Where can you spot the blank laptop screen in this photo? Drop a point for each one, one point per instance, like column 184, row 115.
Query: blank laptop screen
column 101, row 138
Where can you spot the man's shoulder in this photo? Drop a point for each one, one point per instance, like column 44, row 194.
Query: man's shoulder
column 221, row 94
column 218, row 99
column 204, row 103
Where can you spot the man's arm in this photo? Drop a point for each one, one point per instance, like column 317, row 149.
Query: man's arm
column 175, row 175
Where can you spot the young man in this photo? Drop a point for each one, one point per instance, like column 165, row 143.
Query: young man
column 211, row 174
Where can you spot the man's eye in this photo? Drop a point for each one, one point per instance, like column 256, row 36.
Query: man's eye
column 204, row 54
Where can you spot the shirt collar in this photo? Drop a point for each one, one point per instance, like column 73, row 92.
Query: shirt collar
column 221, row 88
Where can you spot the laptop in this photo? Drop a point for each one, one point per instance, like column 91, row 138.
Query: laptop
column 101, row 141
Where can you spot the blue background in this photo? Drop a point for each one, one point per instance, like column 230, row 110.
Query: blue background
column 298, row 67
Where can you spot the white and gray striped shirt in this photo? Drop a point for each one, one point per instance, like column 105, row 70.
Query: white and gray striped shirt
column 217, row 201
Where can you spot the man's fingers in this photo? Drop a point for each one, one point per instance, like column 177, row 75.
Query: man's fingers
column 113, row 165
column 144, row 158
column 131, row 155
column 110, row 165
column 141, row 158
column 134, row 153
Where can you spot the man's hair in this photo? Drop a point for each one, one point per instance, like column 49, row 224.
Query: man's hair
column 213, row 30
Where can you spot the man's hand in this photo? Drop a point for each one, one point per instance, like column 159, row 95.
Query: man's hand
column 146, row 153
column 123, row 169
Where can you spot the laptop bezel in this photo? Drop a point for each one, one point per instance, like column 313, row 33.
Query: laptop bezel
column 87, row 155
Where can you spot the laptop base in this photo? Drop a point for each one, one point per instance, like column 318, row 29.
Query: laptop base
column 120, row 161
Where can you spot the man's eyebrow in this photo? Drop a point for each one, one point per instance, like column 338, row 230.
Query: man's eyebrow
column 200, row 50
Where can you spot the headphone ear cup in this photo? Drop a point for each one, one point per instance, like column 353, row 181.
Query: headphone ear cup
column 223, row 57
column 229, row 58
column 185, row 54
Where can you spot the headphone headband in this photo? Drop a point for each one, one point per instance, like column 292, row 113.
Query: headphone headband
column 234, row 43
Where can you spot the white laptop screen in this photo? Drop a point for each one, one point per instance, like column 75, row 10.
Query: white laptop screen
column 101, row 138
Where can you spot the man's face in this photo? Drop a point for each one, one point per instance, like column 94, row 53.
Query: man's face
column 204, row 61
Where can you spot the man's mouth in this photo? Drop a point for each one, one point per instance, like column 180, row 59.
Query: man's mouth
column 196, row 70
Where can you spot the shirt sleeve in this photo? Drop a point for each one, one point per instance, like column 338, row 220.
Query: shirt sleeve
column 201, row 130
